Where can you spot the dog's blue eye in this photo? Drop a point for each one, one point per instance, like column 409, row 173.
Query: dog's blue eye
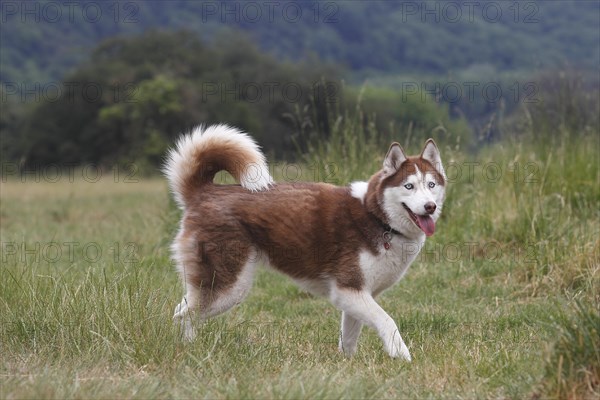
column 409, row 186
column 431, row 185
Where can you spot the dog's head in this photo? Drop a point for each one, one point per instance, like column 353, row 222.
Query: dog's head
column 411, row 190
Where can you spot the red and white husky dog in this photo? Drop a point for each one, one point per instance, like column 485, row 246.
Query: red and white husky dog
column 345, row 243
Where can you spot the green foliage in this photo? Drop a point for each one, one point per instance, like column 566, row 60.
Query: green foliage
column 146, row 90
column 144, row 101
column 156, row 85
column 143, row 120
column 376, row 35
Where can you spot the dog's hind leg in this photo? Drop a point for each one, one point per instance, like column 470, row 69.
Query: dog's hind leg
column 185, row 250
column 214, row 298
column 232, row 295
column 350, row 331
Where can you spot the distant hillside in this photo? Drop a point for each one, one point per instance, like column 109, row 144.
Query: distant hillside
column 42, row 41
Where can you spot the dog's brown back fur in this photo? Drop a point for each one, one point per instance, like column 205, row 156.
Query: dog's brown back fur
column 281, row 223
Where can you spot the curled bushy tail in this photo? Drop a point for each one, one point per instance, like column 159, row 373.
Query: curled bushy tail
column 198, row 156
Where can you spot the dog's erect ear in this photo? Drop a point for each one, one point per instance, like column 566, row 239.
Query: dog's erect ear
column 432, row 154
column 393, row 159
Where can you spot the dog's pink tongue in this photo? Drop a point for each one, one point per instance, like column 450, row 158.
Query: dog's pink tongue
column 426, row 224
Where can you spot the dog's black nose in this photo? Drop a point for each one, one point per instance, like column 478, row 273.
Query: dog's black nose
column 430, row 207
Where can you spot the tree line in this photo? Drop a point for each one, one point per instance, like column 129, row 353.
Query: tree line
column 136, row 94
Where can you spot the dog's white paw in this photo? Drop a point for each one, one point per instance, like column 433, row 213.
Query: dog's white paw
column 188, row 330
column 347, row 349
column 397, row 349
column 181, row 310
column 404, row 353
column 183, row 316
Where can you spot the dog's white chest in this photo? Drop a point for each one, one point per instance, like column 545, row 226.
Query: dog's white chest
column 386, row 268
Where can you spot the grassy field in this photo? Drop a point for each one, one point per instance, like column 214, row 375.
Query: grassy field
column 503, row 302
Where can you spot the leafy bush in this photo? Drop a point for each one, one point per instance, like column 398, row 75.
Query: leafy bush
column 155, row 86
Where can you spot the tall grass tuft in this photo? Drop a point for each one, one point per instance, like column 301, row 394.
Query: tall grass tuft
column 355, row 144
column 573, row 368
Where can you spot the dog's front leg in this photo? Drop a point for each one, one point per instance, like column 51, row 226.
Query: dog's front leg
column 361, row 306
column 350, row 331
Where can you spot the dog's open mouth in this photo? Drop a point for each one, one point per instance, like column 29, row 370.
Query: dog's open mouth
column 424, row 222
